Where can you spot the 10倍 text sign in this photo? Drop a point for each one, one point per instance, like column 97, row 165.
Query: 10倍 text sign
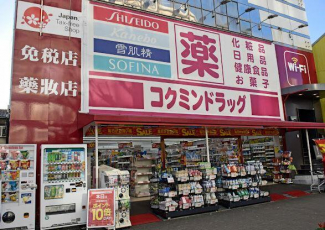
column 142, row 65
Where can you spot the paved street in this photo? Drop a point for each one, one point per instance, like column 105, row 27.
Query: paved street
column 302, row 213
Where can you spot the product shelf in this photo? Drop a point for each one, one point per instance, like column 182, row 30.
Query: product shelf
column 186, row 212
column 229, row 204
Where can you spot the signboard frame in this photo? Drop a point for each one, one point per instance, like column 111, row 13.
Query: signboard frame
column 147, row 85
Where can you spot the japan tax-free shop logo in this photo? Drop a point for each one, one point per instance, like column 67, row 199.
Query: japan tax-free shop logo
column 32, row 17
column 297, row 69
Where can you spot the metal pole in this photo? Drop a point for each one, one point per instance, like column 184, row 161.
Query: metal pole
column 96, row 149
column 310, row 161
column 41, row 22
column 207, row 143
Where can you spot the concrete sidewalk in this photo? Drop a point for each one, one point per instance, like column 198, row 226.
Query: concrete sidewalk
column 303, row 213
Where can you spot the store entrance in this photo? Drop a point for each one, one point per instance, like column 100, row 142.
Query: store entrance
column 173, row 169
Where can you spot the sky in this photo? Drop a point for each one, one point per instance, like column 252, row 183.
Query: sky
column 315, row 13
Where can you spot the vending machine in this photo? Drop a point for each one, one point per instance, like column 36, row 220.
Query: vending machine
column 18, row 186
column 64, row 186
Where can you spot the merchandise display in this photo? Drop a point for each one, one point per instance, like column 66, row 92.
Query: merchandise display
column 64, row 185
column 263, row 149
column 224, row 150
column 119, row 180
column 241, row 184
column 283, row 168
column 18, row 186
column 186, row 191
column 142, row 171
column 180, row 179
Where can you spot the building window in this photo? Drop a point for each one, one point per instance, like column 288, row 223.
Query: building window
column 3, row 131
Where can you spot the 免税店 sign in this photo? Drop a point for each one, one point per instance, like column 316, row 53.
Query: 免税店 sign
column 142, row 65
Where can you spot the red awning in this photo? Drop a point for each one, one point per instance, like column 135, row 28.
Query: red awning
column 258, row 123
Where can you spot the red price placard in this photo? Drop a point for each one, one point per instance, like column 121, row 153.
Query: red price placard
column 101, row 208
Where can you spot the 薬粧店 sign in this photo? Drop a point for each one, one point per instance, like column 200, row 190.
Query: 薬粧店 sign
column 101, row 208
column 140, row 64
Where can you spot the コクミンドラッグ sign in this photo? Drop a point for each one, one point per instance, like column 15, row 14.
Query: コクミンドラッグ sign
column 170, row 68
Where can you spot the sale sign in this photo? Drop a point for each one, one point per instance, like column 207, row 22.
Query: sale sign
column 143, row 65
column 101, row 208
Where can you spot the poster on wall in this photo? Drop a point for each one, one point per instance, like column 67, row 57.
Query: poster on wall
column 296, row 67
column 101, row 208
column 142, row 65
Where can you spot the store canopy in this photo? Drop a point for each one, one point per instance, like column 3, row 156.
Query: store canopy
column 229, row 123
column 307, row 90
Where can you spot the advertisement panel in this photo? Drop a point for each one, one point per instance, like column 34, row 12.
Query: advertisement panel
column 101, row 208
column 296, row 67
column 140, row 64
column 55, row 20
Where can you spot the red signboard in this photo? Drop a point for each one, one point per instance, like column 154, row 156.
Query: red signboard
column 101, row 208
column 296, row 67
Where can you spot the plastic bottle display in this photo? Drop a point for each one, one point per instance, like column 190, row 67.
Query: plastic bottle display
column 64, row 166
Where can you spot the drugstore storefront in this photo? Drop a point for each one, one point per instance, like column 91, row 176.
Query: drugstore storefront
column 154, row 152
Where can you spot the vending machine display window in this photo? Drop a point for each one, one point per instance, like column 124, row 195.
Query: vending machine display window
column 53, row 192
column 64, row 165
column 11, row 164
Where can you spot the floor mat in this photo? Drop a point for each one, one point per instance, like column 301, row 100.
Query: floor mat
column 144, row 219
column 277, row 197
column 297, row 193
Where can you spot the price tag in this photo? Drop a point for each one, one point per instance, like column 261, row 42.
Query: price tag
column 183, row 179
column 256, row 196
column 186, row 206
column 170, row 180
column 213, row 201
column 171, row 208
column 235, row 187
column 234, row 174
column 246, row 197
column 186, row 192
column 212, row 177
column 172, row 194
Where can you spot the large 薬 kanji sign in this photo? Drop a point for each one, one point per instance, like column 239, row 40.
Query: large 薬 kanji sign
column 142, row 65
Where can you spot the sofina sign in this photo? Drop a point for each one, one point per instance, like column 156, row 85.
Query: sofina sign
column 140, row 64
